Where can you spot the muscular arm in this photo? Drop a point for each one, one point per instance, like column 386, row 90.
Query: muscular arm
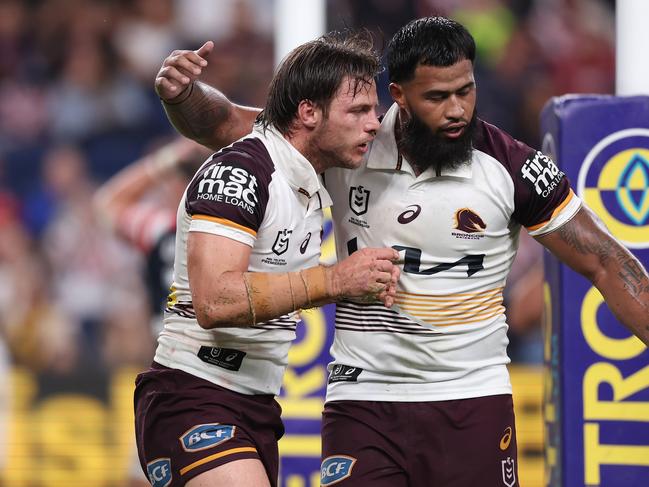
column 208, row 117
column 586, row 246
column 197, row 110
column 225, row 294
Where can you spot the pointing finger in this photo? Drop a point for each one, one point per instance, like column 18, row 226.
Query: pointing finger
column 204, row 51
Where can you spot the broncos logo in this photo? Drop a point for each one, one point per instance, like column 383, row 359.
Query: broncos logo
column 468, row 221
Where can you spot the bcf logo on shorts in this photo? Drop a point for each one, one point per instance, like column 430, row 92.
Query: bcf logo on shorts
column 204, row 436
column 159, row 472
column 336, row 468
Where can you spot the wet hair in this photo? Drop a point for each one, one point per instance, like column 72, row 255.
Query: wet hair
column 314, row 71
column 431, row 41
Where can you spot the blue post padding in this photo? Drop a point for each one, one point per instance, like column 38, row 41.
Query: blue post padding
column 597, row 375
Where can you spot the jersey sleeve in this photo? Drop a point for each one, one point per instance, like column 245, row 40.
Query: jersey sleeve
column 229, row 194
column 543, row 197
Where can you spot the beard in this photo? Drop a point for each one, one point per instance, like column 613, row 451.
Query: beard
column 426, row 148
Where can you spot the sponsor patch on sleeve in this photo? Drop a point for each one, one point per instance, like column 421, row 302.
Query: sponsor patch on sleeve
column 541, row 174
column 226, row 183
column 231, row 187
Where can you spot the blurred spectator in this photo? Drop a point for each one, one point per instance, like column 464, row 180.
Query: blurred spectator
column 139, row 205
column 91, row 272
column 490, row 22
column 523, row 299
column 198, row 20
column 92, row 96
column 40, row 336
column 145, row 35
column 242, row 60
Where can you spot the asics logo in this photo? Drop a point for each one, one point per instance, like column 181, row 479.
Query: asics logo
column 506, row 439
column 409, row 215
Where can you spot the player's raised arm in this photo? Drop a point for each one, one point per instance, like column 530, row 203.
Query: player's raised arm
column 197, row 110
column 584, row 244
column 127, row 188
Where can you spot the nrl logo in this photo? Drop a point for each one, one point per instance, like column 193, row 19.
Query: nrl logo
column 358, row 199
column 509, row 472
column 281, row 242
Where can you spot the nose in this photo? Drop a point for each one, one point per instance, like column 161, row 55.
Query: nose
column 454, row 108
column 373, row 124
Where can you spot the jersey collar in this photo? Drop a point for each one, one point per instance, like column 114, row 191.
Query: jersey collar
column 294, row 166
column 384, row 154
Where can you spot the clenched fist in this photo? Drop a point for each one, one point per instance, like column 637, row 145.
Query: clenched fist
column 367, row 273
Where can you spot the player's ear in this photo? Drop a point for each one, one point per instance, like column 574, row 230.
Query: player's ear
column 309, row 114
column 396, row 91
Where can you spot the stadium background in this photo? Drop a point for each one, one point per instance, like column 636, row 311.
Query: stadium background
column 77, row 105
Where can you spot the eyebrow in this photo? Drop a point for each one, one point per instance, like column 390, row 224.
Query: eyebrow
column 470, row 84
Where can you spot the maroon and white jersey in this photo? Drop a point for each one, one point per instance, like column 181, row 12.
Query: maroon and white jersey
column 260, row 191
column 457, row 235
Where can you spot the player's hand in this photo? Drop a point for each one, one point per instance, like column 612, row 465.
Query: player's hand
column 180, row 69
column 367, row 273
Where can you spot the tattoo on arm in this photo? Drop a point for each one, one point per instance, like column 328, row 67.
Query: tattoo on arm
column 583, row 243
column 206, row 114
column 201, row 115
column 633, row 275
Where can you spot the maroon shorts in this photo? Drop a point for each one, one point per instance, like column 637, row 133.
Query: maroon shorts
column 185, row 426
column 459, row 443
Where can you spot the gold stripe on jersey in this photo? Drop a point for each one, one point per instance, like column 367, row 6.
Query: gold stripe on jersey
column 202, row 461
column 452, row 309
column 225, row 222
column 556, row 211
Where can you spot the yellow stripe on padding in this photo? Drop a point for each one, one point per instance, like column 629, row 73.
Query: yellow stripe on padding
column 225, row 222
column 221, row 454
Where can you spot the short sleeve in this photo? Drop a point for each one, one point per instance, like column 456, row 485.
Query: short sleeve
column 229, row 194
column 542, row 195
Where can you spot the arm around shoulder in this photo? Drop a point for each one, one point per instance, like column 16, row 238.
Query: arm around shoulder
column 208, row 117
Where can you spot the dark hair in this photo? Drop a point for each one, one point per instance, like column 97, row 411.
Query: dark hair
column 314, row 71
column 431, row 41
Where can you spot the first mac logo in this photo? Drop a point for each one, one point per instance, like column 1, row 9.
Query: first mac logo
column 204, row 436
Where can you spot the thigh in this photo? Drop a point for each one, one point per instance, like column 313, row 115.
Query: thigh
column 464, row 443
column 240, row 473
column 360, row 445
column 186, row 426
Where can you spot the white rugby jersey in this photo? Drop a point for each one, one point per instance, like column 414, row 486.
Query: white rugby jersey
column 457, row 235
column 260, row 191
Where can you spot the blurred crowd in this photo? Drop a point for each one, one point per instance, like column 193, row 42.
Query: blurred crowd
column 77, row 105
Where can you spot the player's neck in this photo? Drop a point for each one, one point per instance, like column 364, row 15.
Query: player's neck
column 302, row 143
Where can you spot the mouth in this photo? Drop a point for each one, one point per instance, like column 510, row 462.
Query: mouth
column 364, row 147
column 454, row 130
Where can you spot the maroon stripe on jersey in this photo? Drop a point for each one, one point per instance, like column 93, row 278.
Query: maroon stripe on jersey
column 539, row 185
column 233, row 185
column 368, row 317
